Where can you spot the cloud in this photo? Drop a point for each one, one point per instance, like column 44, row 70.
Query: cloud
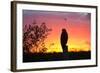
column 87, row 43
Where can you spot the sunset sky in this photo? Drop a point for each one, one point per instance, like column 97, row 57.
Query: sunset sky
column 77, row 24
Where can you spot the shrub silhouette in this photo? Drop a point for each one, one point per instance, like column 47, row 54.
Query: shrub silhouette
column 34, row 37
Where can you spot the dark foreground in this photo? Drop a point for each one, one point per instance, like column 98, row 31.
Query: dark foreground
column 38, row 57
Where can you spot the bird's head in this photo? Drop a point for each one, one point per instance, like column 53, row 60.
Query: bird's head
column 63, row 30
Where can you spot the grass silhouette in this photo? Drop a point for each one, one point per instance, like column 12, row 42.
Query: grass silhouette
column 38, row 57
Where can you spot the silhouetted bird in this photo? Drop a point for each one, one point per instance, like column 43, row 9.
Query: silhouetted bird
column 64, row 39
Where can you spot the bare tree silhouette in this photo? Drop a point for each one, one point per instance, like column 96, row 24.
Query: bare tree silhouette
column 34, row 37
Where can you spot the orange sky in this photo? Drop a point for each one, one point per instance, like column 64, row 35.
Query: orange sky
column 77, row 25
